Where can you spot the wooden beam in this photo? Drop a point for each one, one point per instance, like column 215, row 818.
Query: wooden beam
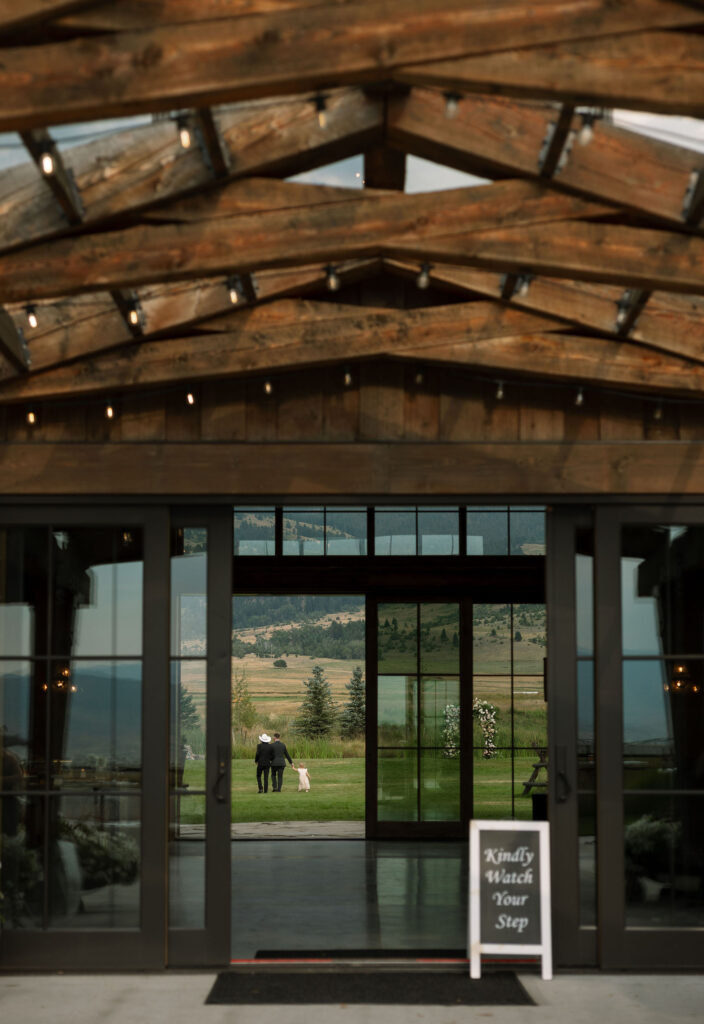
column 384, row 168
column 209, row 136
column 370, row 470
column 12, row 343
column 236, row 58
column 665, row 73
column 135, row 169
column 87, row 324
column 575, row 250
column 22, row 14
column 693, row 208
column 276, row 336
column 498, row 136
column 48, row 159
column 220, row 239
column 554, row 142
column 671, row 323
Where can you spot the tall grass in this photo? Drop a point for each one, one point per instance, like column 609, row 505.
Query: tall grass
column 328, row 748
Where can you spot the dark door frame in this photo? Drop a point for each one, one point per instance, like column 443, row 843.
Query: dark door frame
column 143, row 947
column 622, row 947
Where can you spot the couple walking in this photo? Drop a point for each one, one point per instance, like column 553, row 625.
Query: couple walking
column 272, row 754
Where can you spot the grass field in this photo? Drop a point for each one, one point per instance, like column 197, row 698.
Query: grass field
column 337, row 792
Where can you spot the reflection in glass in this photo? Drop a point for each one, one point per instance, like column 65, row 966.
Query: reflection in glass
column 95, row 723
column 94, row 861
column 397, row 795
column 491, row 636
column 438, row 531
column 187, row 861
column 395, row 531
column 529, row 639
column 439, row 785
column 439, row 638
column 398, row 638
column 530, row 712
column 21, row 861
column 586, row 748
column 346, row 531
column 439, row 709
column 17, row 770
column 586, row 809
column 189, row 580
column 397, row 715
column 96, row 591
column 23, row 587
column 527, row 530
column 663, row 724
column 254, row 531
column 487, row 531
column 304, row 531
column 188, row 721
column 664, row 860
column 584, row 592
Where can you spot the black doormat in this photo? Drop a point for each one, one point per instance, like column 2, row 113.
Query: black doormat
column 419, row 988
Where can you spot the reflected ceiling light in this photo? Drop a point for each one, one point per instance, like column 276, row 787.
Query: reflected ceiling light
column 658, row 410
column 31, row 312
column 190, row 398
column 347, row 379
column 46, row 162
column 579, row 397
column 268, row 387
column 423, row 278
column 419, row 377
column 332, row 278
column 109, row 411
column 499, row 391
column 31, row 418
column 452, row 104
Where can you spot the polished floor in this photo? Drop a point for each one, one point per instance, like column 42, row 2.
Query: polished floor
column 316, row 894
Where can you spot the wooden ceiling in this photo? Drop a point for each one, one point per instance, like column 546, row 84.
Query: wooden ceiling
column 582, row 259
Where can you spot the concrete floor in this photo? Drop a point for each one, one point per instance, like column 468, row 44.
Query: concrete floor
column 178, row 997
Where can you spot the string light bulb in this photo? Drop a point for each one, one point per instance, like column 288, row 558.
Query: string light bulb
column 499, row 391
column 109, row 412
column 268, row 387
column 452, row 104
column 46, row 162
column 658, row 410
column 523, row 285
column 579, row 397
column 190, row 398
column 135, row 315
column 31, row 312
column 233, row 290
column 419, row 377
column 423, row 278
column 184, row 133
column 31, row 418
column 347, row 379
column 321, row 110
column 332, row 278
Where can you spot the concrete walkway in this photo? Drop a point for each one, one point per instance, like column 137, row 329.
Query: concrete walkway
column 178, row 998
column 284, row 830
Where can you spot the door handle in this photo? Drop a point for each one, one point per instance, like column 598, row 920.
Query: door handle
column 563, row 789
column 221, row 777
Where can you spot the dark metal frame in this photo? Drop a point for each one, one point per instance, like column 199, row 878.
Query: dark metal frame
column 143, row 947
column 621, row 946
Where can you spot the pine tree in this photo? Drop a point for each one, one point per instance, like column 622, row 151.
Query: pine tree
column 353, row 717
column 317, row 713
column 187, row 710
column 244, row 712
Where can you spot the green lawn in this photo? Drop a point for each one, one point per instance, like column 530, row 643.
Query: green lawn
column 337, row 791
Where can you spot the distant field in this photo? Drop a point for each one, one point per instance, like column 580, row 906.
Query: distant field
column 337, row 792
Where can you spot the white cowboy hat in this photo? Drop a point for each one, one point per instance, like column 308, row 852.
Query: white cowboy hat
column 264, row 738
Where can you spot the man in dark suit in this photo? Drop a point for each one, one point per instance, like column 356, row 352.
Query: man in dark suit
column 279, row 757
column 262, row 759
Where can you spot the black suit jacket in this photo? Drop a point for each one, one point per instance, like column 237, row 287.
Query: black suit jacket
column 279, row 754
column 263, row 755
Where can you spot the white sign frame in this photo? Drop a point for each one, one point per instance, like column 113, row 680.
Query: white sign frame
column 475, row 947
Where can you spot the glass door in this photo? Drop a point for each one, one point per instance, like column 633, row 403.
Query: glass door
column 420, row 771
column 82, row 737
column 650, row 724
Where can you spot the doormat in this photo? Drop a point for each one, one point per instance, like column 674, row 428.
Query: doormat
column 419, row 988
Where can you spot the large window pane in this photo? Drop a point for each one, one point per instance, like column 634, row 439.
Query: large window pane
column 439, row 785
column 304, row 531
column 187, row 861
column 346, row 531
column 21, row 759
column 189, row 560
column 398, row 638
column 22, row 861
column 254, row 531
column 439, row 638
column 395, row 531
column 487, row 531
column 586, row 742
column 584, row 592
column 664, row 860
column 94, row 862
column 23, row 590
column 398, row 711
column 438, row 531
column 397, row 796
column 527, row 528
column 96, row 591
column 95, row 710
column 663, row 724
column 439, row 711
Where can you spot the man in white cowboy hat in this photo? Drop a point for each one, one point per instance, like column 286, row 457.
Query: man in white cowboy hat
column 262, row 759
